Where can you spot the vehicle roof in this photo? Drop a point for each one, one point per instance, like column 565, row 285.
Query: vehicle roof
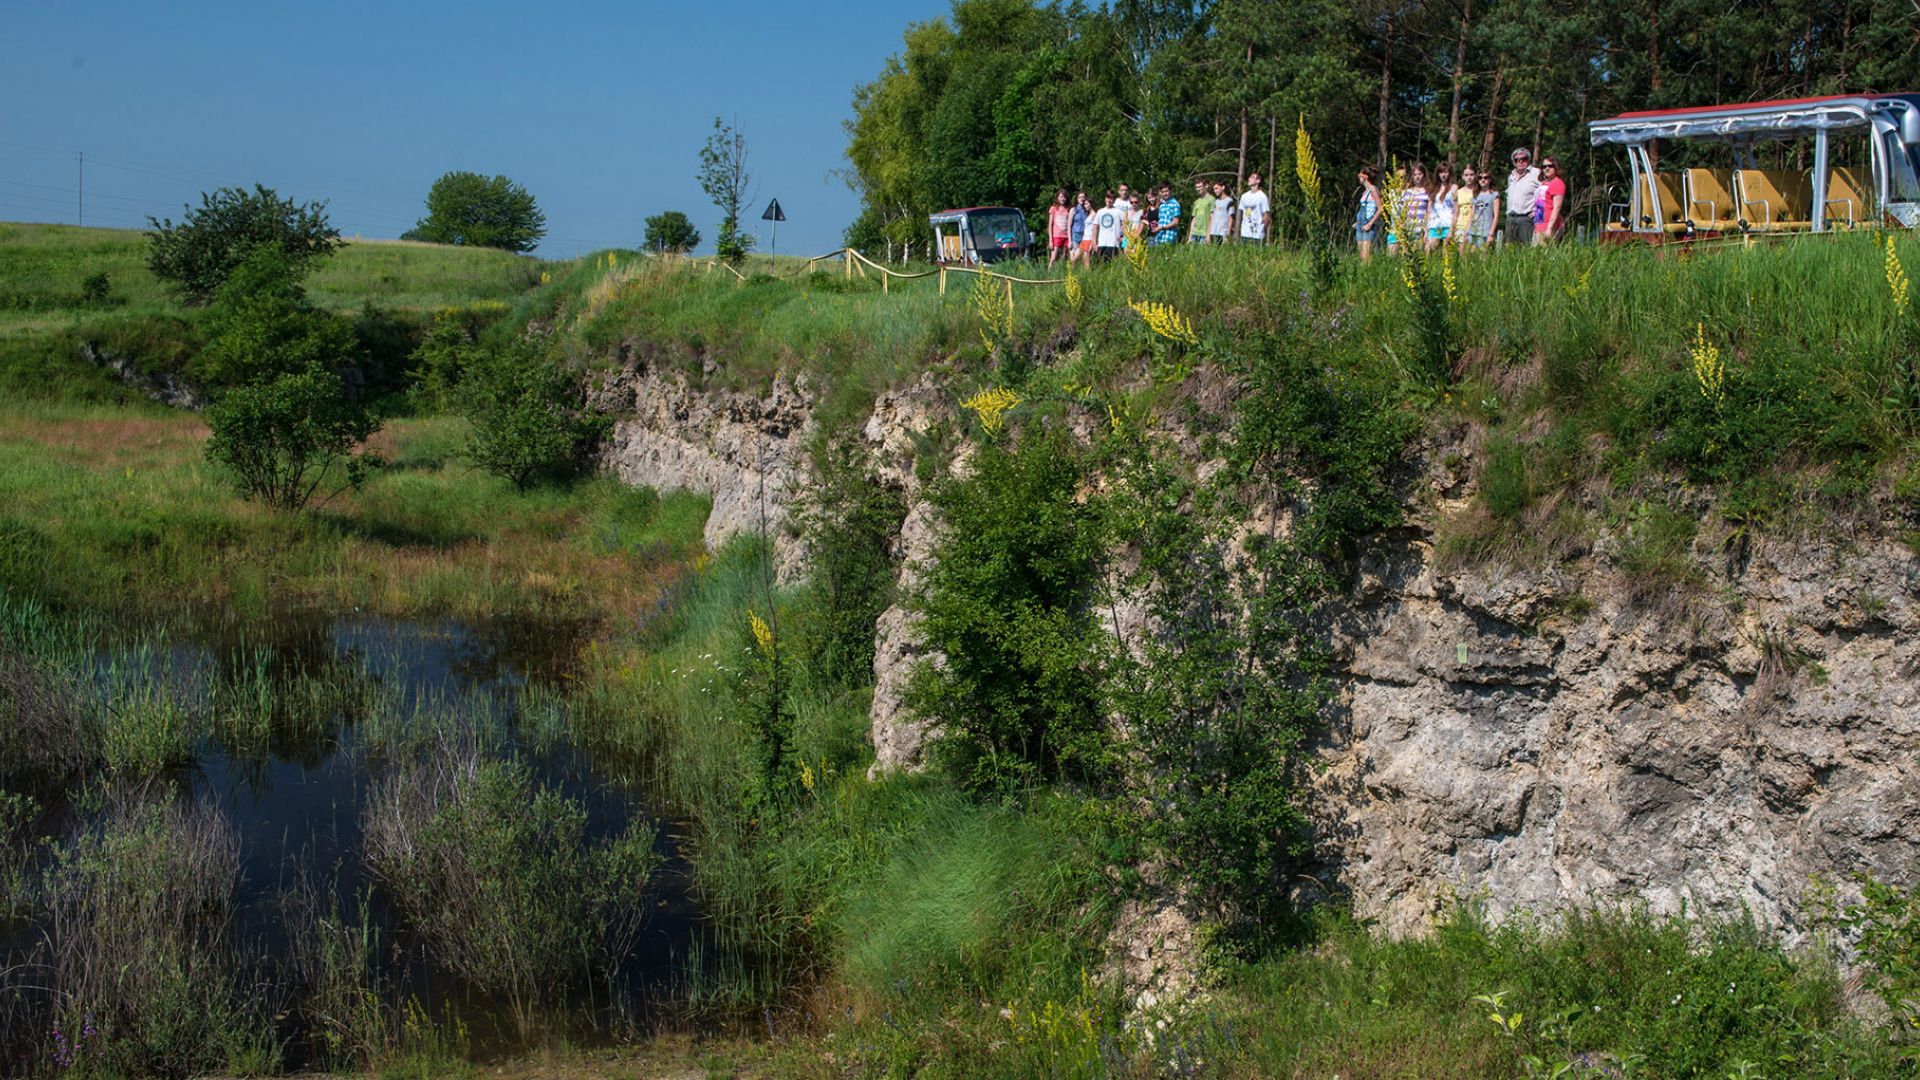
column 1782, row 118
column 955, row 215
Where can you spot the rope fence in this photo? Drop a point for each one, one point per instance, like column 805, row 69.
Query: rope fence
column 855, row 263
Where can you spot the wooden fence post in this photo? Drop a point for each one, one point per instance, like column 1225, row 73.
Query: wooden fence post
column 848, row 252
column 1009, row 298
column 943, row 281
column 884, row 279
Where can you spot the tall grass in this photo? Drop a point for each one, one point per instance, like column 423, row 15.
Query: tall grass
column 139, row 974
column 495, row 874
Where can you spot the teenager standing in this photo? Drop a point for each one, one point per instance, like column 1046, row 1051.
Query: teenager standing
column 1202, row 213
column 1254, row 210
column 1109, row 224
column 1220, row 228
column 1367, row 219
column 1059, row 227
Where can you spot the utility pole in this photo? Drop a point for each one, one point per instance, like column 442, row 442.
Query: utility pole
column 80, row 189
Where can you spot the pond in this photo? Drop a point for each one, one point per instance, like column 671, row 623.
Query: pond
column 308, row 713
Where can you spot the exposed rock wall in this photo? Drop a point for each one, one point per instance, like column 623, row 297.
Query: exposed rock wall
column 746, row 451
column 1492, row 745
column 1491, row 740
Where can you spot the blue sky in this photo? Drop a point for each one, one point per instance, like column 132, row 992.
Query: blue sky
column 600, row 109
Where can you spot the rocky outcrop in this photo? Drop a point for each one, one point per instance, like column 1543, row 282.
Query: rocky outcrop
column 1537, row 740
column 1534, row 739
column 747, row 451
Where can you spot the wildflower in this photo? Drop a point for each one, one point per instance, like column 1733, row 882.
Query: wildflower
column 1306, row 167
column 994, row 308
column 1162, row 319
column 1579, row 288
column 1896, row 278
column 806, row 776
column 991, row 407
column 1075, row 293
column 1137, row 249
column 1447, row 281
column 762, row 633
column 1116, row 419
column 1708, row 369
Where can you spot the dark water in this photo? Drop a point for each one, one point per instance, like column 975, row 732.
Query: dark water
column 296, row 798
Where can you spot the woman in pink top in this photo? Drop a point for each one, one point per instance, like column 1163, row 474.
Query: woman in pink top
column 1059, row 227
column 1551, row 215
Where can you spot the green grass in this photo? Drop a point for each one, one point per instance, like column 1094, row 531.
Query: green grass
column 115, row 506
column 46, row 320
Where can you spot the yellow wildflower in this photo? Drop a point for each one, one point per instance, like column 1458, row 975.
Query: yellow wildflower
column 1447, row 281
column 806, row 776
column 991, row 407
column 762, row 633
column 994, row 308
column 1137, row 249
column 1075, row 293
column 1117, row 417
column 1579, row 288
column 1896, row 278
column 1708, row 369
column 1306, row 166
column 1162, row 319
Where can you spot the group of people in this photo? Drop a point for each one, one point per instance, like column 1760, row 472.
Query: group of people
column 1084, row 232
column 1439, row 210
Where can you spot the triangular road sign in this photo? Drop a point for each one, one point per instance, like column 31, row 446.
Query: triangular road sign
column 774, row 213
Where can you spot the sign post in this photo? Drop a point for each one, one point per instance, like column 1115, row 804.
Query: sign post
column 775, row 215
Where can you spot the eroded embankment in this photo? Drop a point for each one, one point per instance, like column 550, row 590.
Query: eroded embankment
column 1536, row 739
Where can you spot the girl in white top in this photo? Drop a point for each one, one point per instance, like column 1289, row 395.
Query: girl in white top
column 1221, row 226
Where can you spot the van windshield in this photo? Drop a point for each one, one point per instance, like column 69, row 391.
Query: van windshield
column 995, row 228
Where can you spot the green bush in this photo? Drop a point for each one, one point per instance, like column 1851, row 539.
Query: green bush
column 229, row 227
column 1008, row 604
column 1886, row 923
column 497, row 876
column 282, row 416
column 528, row 419
column 848, row 521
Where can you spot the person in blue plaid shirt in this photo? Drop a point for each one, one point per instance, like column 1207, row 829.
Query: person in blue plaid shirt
column 1167, row 228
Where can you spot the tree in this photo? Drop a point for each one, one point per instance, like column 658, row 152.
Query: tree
column 282, row 415
column 671, row 231
column 527, row 419
column 197, row 255
column 723, row 176
column 475, row 211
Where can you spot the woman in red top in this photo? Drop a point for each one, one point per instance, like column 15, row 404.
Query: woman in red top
column 1059, row 226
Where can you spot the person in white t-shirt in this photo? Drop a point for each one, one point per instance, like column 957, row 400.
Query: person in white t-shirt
column 1254, row 209
column 1108, row 223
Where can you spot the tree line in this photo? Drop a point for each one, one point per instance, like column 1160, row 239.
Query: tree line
column 1004, row 100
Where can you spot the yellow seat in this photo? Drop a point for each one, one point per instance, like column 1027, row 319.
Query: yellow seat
column 1671, row 188
column 1847, row 199
column 1775, row 200
column 1710, row 203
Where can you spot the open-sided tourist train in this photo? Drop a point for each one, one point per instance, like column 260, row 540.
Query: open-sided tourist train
column 979, row 234
column 1865, row 168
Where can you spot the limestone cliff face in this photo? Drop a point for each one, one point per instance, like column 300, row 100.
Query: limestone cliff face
column 1490, row 744
column 746, row 451
column 1490, row 739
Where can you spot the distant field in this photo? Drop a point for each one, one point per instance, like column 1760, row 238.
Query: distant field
column 43, row 267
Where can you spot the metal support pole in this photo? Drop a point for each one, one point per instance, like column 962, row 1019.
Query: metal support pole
column 1820, row 180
